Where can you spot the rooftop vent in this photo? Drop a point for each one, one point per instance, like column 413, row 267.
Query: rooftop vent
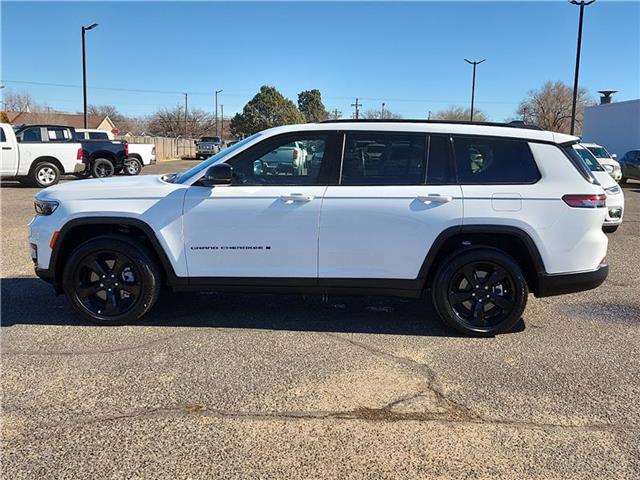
column 606, row 96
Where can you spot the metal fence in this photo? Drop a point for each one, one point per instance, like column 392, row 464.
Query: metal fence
column 167, row 147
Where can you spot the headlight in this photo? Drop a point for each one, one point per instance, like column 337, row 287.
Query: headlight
column 45, row 207
column 608, row 168
column 613, row 190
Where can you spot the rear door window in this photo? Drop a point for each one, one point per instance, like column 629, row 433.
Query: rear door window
column 487, row 160
column 384, row 159
column 58, row 134
column 98, row 136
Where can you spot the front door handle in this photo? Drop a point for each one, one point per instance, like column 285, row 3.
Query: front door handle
column 6, row 148
column 296, row 197
column 434, row 198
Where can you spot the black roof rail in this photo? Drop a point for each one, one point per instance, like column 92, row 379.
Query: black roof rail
column 513, row 124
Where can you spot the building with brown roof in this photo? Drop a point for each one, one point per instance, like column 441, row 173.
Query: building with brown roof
column 76, row 120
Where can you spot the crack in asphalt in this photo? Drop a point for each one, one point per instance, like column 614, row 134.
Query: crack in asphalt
column 95, row 352
column 455, row 408
column 383, row 414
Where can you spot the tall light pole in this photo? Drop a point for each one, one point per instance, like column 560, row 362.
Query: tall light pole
column 216, row 95
column 473, row 84
column 84, row 71
column 582, row 4
column 382, row 112
column 221, row 120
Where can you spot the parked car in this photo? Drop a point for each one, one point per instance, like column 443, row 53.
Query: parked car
column 630, row 165
column 605, row 159
column 474, row 215
column 615, row 196
column 37, row 155
column 207, row 146
column 140, row 154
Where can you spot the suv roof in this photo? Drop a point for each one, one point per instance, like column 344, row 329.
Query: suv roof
column 429, row 126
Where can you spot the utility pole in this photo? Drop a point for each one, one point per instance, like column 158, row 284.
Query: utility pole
column 429, row 115
column 222, row 120
column 216, row 95
column 357, row 105
column 186, row 101
column 84, row 71
column 582, row 4
column 382, row 112
column 473, row 85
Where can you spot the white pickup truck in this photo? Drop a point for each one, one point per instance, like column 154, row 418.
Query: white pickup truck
column 37, row 155
column 140, row 154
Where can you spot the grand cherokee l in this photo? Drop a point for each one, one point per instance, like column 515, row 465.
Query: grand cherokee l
column 476, row 216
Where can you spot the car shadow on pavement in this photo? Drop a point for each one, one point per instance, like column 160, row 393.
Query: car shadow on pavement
column 30, row 301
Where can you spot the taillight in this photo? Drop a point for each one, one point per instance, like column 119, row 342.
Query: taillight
column 295, row 154
column 79, row 154
column 585, row 201
column 126, row 149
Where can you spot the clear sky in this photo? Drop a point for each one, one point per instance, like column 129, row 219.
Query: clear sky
column 409, row 55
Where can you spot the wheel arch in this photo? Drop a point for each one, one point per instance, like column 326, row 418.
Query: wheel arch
column 43, row 159
column 79, row 230
column 512, row 240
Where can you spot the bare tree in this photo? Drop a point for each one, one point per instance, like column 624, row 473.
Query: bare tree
column 550, row 107
column 135, row 125
column 459, row 114
column 18, row 102
column 171, row 122
column 379, row 114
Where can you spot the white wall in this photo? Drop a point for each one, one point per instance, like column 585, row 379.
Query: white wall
column 615, row 125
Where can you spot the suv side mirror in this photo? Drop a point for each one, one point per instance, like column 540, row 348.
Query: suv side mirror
column 614, row 156
column 218, row 174
column 195, row 142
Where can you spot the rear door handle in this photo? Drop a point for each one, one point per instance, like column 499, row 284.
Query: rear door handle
column 6, row 148
column 296, row 197
column 434, row 198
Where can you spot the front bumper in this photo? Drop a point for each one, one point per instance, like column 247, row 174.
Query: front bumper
column 562, row 283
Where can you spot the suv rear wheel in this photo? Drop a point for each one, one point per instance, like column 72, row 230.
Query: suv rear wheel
column 481, row 291
column 111, row 280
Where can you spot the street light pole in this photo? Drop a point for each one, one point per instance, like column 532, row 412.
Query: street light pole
column 216, row 95
column 84, row 71
column 382, row 112
column 473, row 84
column 582, row 4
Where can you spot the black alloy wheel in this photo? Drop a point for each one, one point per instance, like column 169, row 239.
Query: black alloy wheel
column 111, row 280
column 107, row 283
column 481, row 291
column 482, row 294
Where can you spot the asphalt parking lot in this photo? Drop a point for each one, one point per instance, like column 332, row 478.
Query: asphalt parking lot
column 232, row 386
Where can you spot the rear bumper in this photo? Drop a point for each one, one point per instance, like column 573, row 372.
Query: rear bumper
column 559, row 284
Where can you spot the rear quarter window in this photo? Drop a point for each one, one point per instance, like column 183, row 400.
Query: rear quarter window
column 486, row 160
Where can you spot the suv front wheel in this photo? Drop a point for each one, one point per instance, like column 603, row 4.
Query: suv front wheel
column 480, row 291
column 111, row 280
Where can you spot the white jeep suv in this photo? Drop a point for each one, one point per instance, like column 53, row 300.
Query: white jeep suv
column 474, row 215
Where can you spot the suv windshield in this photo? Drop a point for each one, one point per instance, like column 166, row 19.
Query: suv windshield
column 202, row 166
column 599, row 152
column 210, row 139
column 588, row 158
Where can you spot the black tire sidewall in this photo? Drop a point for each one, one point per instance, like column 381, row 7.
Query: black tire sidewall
column 149, row 271
column 452, row 264
column 33, row 178
column 101, row 161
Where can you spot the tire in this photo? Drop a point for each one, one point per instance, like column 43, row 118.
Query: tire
column 609, row 228
column 44, row 174
column 109, row 293
column 102, row 168
column 496, row 277
column 132, row 166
